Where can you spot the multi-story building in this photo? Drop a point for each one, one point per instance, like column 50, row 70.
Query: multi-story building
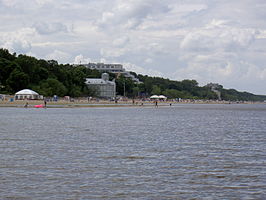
column 102, row 86
column 112, row 68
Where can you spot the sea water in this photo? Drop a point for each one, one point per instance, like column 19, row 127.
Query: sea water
column 183, row 151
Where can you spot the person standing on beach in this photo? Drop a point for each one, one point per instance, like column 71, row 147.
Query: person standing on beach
column 45, row 102
column 26, row 105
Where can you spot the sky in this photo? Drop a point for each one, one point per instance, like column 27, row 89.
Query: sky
column 218, row 41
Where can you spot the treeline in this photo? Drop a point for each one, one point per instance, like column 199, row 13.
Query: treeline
column 49, row 78
column 186, row 89
column 45, row 77
column 189, row 89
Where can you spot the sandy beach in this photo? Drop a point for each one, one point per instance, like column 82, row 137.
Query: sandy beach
column 106, row 103
column 77, row 103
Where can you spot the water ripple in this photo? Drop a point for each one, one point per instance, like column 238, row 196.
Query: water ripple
column 178, row 152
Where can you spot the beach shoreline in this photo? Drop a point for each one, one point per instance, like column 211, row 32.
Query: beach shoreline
column 106, row 103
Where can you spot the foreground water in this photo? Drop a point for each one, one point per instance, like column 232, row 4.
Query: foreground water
column 178, row 152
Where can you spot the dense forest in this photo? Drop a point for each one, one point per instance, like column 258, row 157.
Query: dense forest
column 49, row 78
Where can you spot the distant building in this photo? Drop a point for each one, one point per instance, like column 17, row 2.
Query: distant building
column 102, row 86
column 112, row 68
column 215, row 88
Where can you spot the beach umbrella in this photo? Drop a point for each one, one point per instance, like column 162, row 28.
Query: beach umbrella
column 162, row 97
column 154, row 97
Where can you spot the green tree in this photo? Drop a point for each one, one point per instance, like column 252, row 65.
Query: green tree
column 17, row 80
column 29, row 65
column 148, row 83
column 156, row 90
column 6, row 67
column 52, row 87
column 135, row 91
column 4, row 53
column 189, row 84
column 172, row 93
column 75, row 91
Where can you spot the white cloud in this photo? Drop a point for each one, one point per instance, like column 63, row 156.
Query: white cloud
column 112, row 52
column 121, row 41
column 141, row 70
column 15, row 45
column 8, row 3
column 81, row 60
column 107, row 16
column 43, row 2
column 217, row 35
column 148, row 60
column 18, row 41
column 130, row 14
column 57, row 54
column 45, row 28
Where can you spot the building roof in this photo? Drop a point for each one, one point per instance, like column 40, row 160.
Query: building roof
column 26, row 92
column 97, row 81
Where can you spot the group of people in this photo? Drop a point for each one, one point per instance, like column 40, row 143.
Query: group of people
column 37, row 106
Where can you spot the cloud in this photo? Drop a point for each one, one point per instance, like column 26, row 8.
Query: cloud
column 217, row 35
column 112, row 52
column 57, row 54
column 8, row 3
column 45, row 28
column 120, row 42
column 18, row 41
column 130, row 14
column 20, row 46
column 26, row 4
column 148, row 60
column 81, row 60
column 230, row 69
column 141, row 70
column 43, row 2
column 221, row 51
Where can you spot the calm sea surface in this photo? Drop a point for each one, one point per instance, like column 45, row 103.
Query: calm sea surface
column 178, row 152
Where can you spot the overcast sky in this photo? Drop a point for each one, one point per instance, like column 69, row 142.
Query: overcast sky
column 219, row 41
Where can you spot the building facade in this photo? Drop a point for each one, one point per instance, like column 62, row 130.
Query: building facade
column 102, row 86
column 112, row 68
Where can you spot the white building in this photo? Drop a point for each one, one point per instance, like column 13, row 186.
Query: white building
column 112, row 68
column 103, row 87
